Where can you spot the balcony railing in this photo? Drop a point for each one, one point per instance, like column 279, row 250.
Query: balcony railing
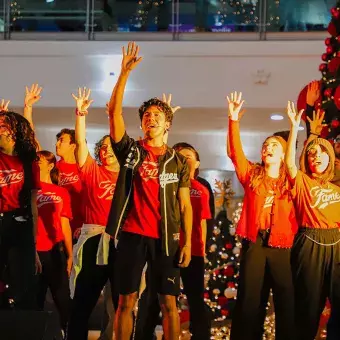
column 171, row 19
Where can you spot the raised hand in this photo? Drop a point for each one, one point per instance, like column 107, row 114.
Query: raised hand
column 294, row 117
column 130, row 57
column 82, row 101
column 315, row 124
column 313, row 92
column 168, row 101
column 4, row 105
column 235, row 104
column 32, row 95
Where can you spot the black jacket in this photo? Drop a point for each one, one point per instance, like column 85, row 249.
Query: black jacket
column 173, row 174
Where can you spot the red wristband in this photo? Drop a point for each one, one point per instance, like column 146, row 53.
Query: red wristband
column 78, row 113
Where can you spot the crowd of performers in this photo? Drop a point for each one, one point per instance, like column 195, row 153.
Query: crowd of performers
column 135, row 215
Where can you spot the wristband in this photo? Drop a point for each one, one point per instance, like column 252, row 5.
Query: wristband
column 79, row 113
column 315, row 134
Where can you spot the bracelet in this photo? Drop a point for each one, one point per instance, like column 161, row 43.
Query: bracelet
column 315, row 134
column 28, row 106
column 81, row 113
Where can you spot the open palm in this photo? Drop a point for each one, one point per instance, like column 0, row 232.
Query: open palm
column 235, row 104
column 294, row 116
column 130, row 57
column 82, row 101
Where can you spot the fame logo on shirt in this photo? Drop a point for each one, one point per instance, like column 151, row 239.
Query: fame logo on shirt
column 68, row 178
column 8, row 177
column 167, row 178
column 323, row 197
column 195, row 193
column 107, row 190
column 47, row 198
column 149, row 170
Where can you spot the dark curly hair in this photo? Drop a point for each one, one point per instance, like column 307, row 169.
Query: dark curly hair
column 22, row 133
column 49, row 156
column 25, row 148
column 162, row 106
column 97, row 148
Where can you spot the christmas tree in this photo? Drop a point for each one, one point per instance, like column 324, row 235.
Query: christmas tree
column 329, row 100
column 222, row 261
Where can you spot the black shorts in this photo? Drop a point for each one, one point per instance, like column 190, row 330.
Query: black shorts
column 133, row 252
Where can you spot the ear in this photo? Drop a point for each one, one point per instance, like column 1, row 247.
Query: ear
column 50, row 166
column 167, row 126
column 197, row 164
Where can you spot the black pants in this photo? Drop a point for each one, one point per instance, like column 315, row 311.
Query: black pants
column 193, row 284
column 17, row 262
column 54, row 276
column 261, row 265
column 316, row 276
column 90, row 282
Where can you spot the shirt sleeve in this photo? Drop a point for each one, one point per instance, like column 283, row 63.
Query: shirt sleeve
column 184, row 178
column 66, row 211
column 242, row 165
column 206, row 214
column 122, row 148
column 88, row 167
column 35, row 176
column 296, row 183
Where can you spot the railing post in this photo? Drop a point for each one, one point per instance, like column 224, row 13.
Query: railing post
column 263, row 19
column 7, row 19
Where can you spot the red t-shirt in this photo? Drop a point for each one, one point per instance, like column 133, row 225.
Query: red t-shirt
column 12, row 180
column 98, row 188
column 199, row 197
column 69, row 178
column 53, row 203
column 317, row 205
column 144, row 217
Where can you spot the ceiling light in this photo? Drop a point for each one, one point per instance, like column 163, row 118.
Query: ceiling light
column 276, row 117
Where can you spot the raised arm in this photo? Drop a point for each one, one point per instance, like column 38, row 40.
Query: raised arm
column 32, row 96
column 313, row 94
column 295, row 119
column 234, row 145
column 315, row 128
column 83, row 103
column 129, row 62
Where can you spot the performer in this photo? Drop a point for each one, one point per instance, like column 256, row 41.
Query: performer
column 69, row 176
column 267, row 226
column 19, row 183
column 54, row 238
column 316, row 250
column 152, row 200
column 93, row 262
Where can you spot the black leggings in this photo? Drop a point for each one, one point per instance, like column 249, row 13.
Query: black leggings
column 316, row 275
column 261, row 268
column 90, row 283
column 17, row 262
column 54, row 276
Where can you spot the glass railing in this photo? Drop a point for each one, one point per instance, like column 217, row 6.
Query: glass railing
column 175, row 18
column 48, row 16
column 298, row 15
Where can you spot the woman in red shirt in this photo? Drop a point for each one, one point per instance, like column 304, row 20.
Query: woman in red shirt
column 316, row 250
column 93, row 261
column 267, row 226
column 19, row 183
column 54, row 237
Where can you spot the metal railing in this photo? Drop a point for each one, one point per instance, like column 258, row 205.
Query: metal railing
column 164, row 19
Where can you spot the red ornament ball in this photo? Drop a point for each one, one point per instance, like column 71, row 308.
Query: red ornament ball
column 224, row 312
column 323, row 67
column 324, row 57
column 324, row 132
column 332, row 29
column 337, row 97
column 328, row 41
column 329, row 49
column 335, row 12
column 335, row 123
column 334, row 65
column 328, row 92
